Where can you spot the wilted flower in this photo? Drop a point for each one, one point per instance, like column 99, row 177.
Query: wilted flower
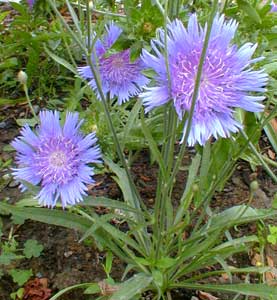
column 226, row 78
column 119, row 76
column 57, row 158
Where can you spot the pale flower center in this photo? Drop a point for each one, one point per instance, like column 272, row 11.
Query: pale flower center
column 117, row 62
column 57, row 159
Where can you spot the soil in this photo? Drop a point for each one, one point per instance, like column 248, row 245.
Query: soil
column 65, row 261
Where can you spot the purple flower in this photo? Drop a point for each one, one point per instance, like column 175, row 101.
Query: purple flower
column 273, row 7
column 31, row 3
column 119, row 76
column 226, row 78
column 57, row 158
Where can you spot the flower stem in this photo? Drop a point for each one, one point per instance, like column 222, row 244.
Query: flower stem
column 259, row 157
column 25, row 88
column 101, row 12
column 142, row 236
column 195, row 93
column 163, row 211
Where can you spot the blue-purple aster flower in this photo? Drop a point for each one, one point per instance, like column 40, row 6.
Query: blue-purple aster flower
column 56, row 157
column 226, row 81
column 120, row 76
column 31, row 3
column 273, row 7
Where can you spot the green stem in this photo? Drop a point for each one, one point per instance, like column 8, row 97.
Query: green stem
column 270, row 161
column 163, row 202
column 107, row 13
column 195, row 93
column 82, row 213
column 259, row 157
column 162, row 10
column 25, row 88
column 101, row 12
column 88, row 15
column 69, row 51
column 77, row 286
column 144, row 238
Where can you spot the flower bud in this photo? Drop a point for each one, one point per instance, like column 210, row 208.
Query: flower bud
column 22, row 77
column 195, row 188
column 148, row 27
column 254, row 185
column 90, row 5
column 94, row 127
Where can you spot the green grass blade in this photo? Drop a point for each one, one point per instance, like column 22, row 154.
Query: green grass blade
column 258, row 290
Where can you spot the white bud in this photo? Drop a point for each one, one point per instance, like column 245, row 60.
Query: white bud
column 90, row 5
column 22, row 77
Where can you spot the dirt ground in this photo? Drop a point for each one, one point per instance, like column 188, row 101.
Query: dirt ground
column 64, row 261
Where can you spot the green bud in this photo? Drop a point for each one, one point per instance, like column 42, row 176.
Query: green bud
column 254, row 185
column 195, row 188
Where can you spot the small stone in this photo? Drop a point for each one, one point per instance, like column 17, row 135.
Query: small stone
column 68, row 254
column 3, row 125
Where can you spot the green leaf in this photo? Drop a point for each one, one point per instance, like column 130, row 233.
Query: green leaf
column 106, row 202
column 6, row 258
column 92, row 289
column 18, row 220
column 108, row 262
column 158, row 277
column 273, row 229
column 60, row 61
column 123, row 182
column 18, row 294
column 272, row 239
column 9, row 63
column 153, row 146
column 240, row 214
column 130, row 288
column 74, row 17
column 22, row 122
column 113, row 233
column 70, row 288
column 32, row 248
column 271, row 67
column 249, row 10
column 21, row 276
column 270, row 131
column 130, row 122
column 251, row 289
column 165, row 262
column 45, row 215
column 3, row 15
column 31, row 201
column 6, row 101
